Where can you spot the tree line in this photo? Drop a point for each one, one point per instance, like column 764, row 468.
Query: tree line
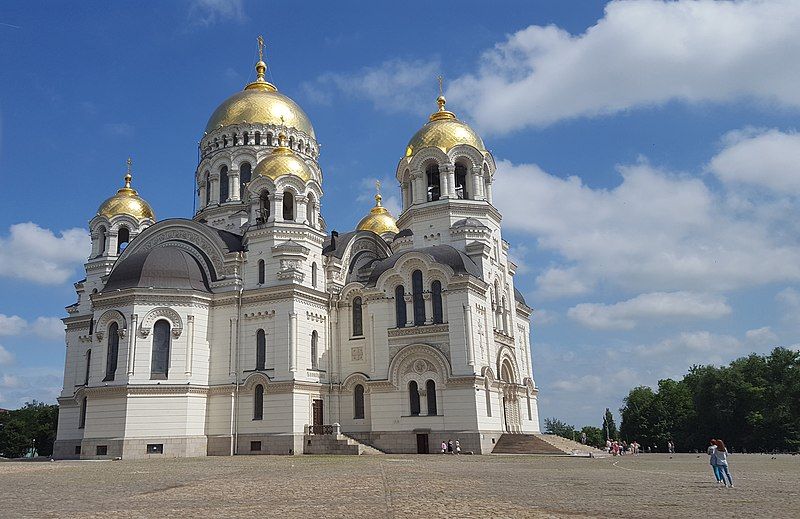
column 32, row 426
column 753, row 404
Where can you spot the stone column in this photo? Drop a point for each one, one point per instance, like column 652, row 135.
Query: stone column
column 468, row 335
column 409, row 309
column 276, row 200
column 477, row 183
column 448, row 181
column 426, row 296
column 202, row 201
column 418, row 188
column 132, row 345
column 301, row 203
column 489, row 190
column 111, row 243
column 189, row 344
column 233, row 184
column 292, row 342
column 214, row 188
column 232, row 359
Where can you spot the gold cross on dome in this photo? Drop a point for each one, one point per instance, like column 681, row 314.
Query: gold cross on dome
column 129, row 162
column 260, row 48
column 440, row 78
column 378, row 186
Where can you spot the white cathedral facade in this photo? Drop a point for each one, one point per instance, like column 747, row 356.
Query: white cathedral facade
column 249, row 329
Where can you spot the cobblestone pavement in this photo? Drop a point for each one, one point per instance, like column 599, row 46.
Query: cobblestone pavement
column 401, row 486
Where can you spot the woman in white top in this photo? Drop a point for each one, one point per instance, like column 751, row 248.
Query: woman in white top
column 722, row 462
column 712, row 453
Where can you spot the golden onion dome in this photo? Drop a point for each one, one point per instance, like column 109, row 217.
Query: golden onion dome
column 444, row 131
column 126, row 201
column 283, row 161
column 261, row 103
column 379, row 220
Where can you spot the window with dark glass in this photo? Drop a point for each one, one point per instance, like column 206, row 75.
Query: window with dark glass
column 400, row 306
column 314, row 275
column 102, row 237
column 264, row 206
column 436, row 297
column 358, row 327
column 245, row 175
column 258, row 403
column 413, row 395
column 288, row 206
column 261, row 350
column 82, row 416
column 430, row 389
column 314, row 346
column 432, row 177
column 123, row 238
column 461, row 181
column 261, row 272
column 112, row 351
column 223, row 184
column 159, row 367
column 358, row 402
column 88, row 367
column 208, row 188
column 258, row 138
column 419, row 301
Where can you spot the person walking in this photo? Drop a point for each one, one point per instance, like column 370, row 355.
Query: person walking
column 712, row 453
column 722, row 463
column 458, row 447
column 444, row 447
column 449, row 446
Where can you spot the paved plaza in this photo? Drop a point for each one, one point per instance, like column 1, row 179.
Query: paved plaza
column 401, row 486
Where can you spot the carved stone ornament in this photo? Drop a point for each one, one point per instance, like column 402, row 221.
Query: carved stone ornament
column 357, row 353
column 158, row 313
column 105, row 321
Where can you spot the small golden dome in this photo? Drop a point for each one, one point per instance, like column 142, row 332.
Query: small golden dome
column 283, row 161
column 261, row 103
column 379, row 220
column 444, row 131
column 126, row 201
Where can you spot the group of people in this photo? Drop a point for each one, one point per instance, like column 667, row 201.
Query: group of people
column 719, row 462
column 617, row 448
column 448, row 447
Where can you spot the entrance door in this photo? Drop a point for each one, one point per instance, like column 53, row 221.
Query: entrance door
column 422, row 444
column 505, row 415
column 317, row 418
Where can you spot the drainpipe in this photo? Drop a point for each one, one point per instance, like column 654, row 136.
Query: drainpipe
column 235, row 411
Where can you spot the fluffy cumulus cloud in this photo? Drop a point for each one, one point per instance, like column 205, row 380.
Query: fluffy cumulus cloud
column 36, row 254
column 655, row 231
column 47, row 328
column 11, row 324
column 27, row 384
column 641, row 53
column 6, row 357
column 625, row 315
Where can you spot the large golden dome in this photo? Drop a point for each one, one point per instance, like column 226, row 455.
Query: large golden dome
column 444, row 131
column 379, row 220
column 283, row 161
column 126, row 201
column 260, row 102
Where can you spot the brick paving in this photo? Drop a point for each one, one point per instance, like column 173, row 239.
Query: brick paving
column 400, row 486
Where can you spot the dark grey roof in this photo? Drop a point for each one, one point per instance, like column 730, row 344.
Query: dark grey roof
column 468, row 222
column 445, row 254
column 232, row 241
column 519, row 297
column 162, row 267
column 404, row 233
column 335, row 244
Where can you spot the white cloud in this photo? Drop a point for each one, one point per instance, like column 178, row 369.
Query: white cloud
column 35, row 254
column 9, row 381
column 6, row 357
column 543, row 317
column 205, row 13
column 655, row 231
column 764, row 158
column 641, row 53
column 394, row 86
column 653, row 306
column 30, row 383
column 11, row 325
column 762, row 336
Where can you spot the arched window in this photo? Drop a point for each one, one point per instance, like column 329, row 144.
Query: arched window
column 264, row 206
column 310, row 209
column 358, row 402
column 461, row 182
column 123, row 238
column 261, row 350
column 430, row 389
column 413, row 397
column 400, row 306
column 102, row 237
column 112, row 351
column 224, row 141
column 288, row 206
column 88, row 367
column 223, row 184
column 159, row 365
column 258, row 403
column 314, row 345
column 246, row 136
column 300, row 145
column 91, row 322
column 503, row 316
column 291, row 142
column 432, row 177
column 261, row 272
column 436, row 296
column 235, row 139
column 419, row 302
column 258, row 137
column 208, row 188
column 488, row 402
column 269, row 139
column 358, row 318
column 245, row 175
column 216, row 142
column 82, row 417
column 314, row 275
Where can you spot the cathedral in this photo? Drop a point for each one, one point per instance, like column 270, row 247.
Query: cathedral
column 252, row 329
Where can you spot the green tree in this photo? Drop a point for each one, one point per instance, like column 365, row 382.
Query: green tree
column 19, row 428
column 594, row 436
column 559, row 428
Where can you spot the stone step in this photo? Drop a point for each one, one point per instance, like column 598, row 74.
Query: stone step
column 540, row 444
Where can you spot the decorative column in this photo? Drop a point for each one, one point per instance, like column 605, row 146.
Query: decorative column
column 372, row 337
column 448, row 181
column 426, row 296
column 276, row 200
column 233, row 184
column 301, row 203
column 189, row 344
column 202, row 195
column 468, row 334
column 231, row 338
column 214, row 179
column 132, row 345
column 417, row 188
column 488, row 189
column 409, row 309
column 477, row 183
column 111, row 243
column 292, row 341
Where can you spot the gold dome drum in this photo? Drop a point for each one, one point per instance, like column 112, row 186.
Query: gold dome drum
column 126, row 201
column 260, row 106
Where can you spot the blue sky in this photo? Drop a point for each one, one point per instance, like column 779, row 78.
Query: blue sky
column 647, row 151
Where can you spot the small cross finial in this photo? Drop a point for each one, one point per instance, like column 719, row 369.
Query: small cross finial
column 128, row 172
column 440, row 78
column 378, row 186
column 260, row 48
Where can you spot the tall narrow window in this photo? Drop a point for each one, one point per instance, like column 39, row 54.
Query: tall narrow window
column 288, row 206
column 488, row 402
column 419, row 302
column 461, row 181
column 245, row 175
column 208, row 188
column 269, row 139
column 314, row 346
column 413, row 397
column 264, row 206
column 82, row 416
column 112, row 351
column 314, row 275
column 358, row 402
column 123, row 238
column 261, row 272
column 358, row 318
column 432, row 177
column 258, row 403
column 400, row 306
column 159, row 365
column 258, row 137
column 102, row 238
column 223, row 184
column 88, row 367
column 245, row 138
column 430, row 389
column 530, row 414
column 436, row 296
column 261, row 350
column 291, row 142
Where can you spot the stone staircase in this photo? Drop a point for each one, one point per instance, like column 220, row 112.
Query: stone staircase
column 542, row 444
column 335, row 444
